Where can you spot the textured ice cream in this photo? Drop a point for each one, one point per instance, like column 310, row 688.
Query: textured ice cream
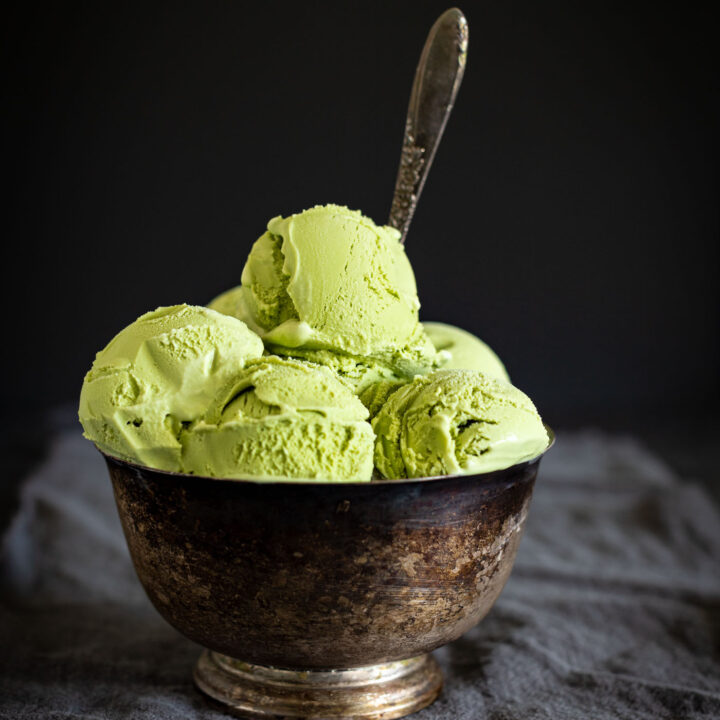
column 457, row 349
column 463, row 351
column 359, row 372
column 376, row 395
column 329, row 278
column 329, row 286
column 455, row 421
column 158, row 373
column 316, row 367
column 228, row 303
column 282, row 418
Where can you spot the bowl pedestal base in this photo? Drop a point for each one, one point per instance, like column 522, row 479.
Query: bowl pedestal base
column 374, row 692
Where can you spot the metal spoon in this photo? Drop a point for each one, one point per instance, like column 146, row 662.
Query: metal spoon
column 437, row 80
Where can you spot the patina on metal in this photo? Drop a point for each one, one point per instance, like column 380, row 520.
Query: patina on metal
column 437, row 81
column 314, row 577
column 385, row 691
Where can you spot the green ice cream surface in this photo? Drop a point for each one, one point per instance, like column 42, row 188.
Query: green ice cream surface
column 282, row 418
column 228, row 303
column 316, row 367
column 461, row 350
column 455, row 421
column 161, row 371
column 329, row 278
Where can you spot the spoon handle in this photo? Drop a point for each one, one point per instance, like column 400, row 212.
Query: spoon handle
column 437, row 80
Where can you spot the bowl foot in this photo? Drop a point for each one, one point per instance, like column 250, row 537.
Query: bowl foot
column 375, row 692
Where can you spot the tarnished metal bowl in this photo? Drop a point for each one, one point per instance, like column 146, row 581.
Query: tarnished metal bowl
column 288, row 583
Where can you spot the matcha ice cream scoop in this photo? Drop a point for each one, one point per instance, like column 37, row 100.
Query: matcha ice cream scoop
column 161, row 371
column 329, row 278
column 282, row 418
column 455, row 421
column 329, row 286
column 463, row 351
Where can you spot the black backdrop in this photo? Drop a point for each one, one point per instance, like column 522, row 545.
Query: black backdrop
column 571, row 217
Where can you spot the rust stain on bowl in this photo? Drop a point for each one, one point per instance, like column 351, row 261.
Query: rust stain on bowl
column 314, row 576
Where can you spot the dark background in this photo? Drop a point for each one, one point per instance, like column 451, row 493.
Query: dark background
column 570, row 219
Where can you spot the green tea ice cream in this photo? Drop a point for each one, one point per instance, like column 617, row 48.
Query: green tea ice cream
column 158, row 373
column 455, row 421
column 229, row 302
column 329, row 278
column 315, row 367
column 329, row 286
column 461, row 350
column 283, row 418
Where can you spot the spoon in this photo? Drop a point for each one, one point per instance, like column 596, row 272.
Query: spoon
column 437, row 80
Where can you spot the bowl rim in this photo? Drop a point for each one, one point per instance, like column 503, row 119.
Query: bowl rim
column 303, row 482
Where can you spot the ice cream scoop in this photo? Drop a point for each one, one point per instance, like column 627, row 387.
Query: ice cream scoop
column 461, row 350
column 455, row 421
column 282, row 418
column 158, row 373
column 329, row 278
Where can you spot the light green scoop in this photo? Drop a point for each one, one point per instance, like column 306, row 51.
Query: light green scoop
column 282, row 418
column 329, row 286
column 455, row 421
column 161, row 371
column 461, row 350
column 329, row 278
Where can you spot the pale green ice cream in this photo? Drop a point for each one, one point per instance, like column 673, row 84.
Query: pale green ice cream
column 161, row 371
column 457, row 350
column 358, row 372
column 228, row 303
column 282, row 418
column 329, row 278
column 329, row 286
column 461, row 350
column 376, row 395
column 455, row 421
column 278, row 377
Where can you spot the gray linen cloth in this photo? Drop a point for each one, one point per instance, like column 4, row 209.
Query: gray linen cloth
column 612, row 610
